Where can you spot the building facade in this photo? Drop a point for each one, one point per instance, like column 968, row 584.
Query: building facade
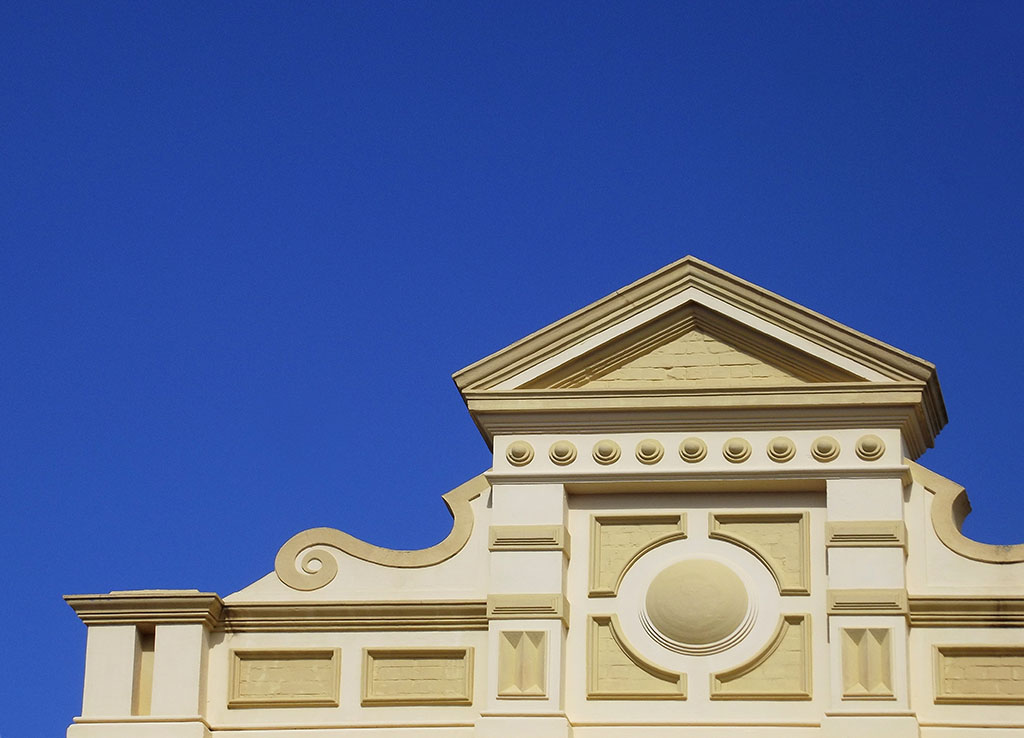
column 703, row 519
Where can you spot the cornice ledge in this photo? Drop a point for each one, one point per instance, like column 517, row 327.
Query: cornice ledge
column 317, row 543
column 674, row 278
column 355, row 616
column 148, row 606
column 949, row 508
column 966, row 611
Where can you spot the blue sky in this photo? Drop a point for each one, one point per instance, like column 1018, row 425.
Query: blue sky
column 244, row 245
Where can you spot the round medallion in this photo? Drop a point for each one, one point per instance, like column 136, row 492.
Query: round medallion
column 697, row 607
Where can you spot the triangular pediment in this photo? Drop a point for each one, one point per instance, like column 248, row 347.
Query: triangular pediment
column 691, row 348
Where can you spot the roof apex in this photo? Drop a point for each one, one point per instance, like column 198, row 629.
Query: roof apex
column 679, row 287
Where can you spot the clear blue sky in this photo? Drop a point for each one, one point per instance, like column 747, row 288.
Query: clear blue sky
column 244, row 245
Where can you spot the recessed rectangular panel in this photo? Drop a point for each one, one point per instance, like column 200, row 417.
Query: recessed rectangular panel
column 418, row 676
column 285, row 678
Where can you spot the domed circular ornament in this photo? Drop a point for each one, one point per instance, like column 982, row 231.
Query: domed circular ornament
column 736, row 450
column 606, row 452
column 562, row 453
column 649, row 451
column 870, row 447
column 825, row 448
column 519, row 453
column 697, row 607
column 692, row 450
column 781, row 449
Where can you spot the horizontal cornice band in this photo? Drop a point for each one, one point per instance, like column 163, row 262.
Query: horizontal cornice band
column 207, row 608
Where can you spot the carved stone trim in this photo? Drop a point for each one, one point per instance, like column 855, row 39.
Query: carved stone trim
column 528, row 607
column 949, row 508
column 269, row 686
column 979, row 675
column 318, row 542
column 867, row 664
column 605, row 577
column 355, row 616
column 867, row 602
column 151, row 607
column 782, row 671
column 967, row 611
column 866, row 534
column 790, row 581
column 417, row 669
column 522, row 664
column 633, row 677
column 528, row 538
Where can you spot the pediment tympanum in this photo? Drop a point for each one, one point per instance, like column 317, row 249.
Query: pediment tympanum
column 691, row 348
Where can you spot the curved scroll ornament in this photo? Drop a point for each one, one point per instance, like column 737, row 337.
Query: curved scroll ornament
column 318, row 565
column 949, row 508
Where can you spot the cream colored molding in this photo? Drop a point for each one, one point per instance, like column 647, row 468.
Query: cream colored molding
column 522, row 664
column 866, row 534
column 615, row 671
column 684, row 274
column 736, row 450
column 781, row 449
column 870, row 447
column 528, row 538
column 649, row 451
column 772, row 409
column 867, row 664
column 782, row 671
column 607, row 452
column 417, row 676
column 528, row 607
column 562, row 453
column 692, row 450
column 317, row 542
column 415, row 615
column 780, row 541
column 867, row 602
column 284, row 677
column 966, row 611
column 617, row 541
column 922, row 412
column 148, row 606
column 825, row 449
column 979, row 675
column 519, row 453
column 949, row 508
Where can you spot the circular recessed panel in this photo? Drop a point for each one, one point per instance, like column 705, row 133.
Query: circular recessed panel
column 697, row 607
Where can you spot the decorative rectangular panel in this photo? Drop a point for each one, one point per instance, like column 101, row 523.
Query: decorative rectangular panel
column 616, row 541
column 522, row 657
column 979, row 675
column 285, row 678
column 867, row 664
column 418, row 676
column 615, row 671
column 781, row 671
column 780, row 540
